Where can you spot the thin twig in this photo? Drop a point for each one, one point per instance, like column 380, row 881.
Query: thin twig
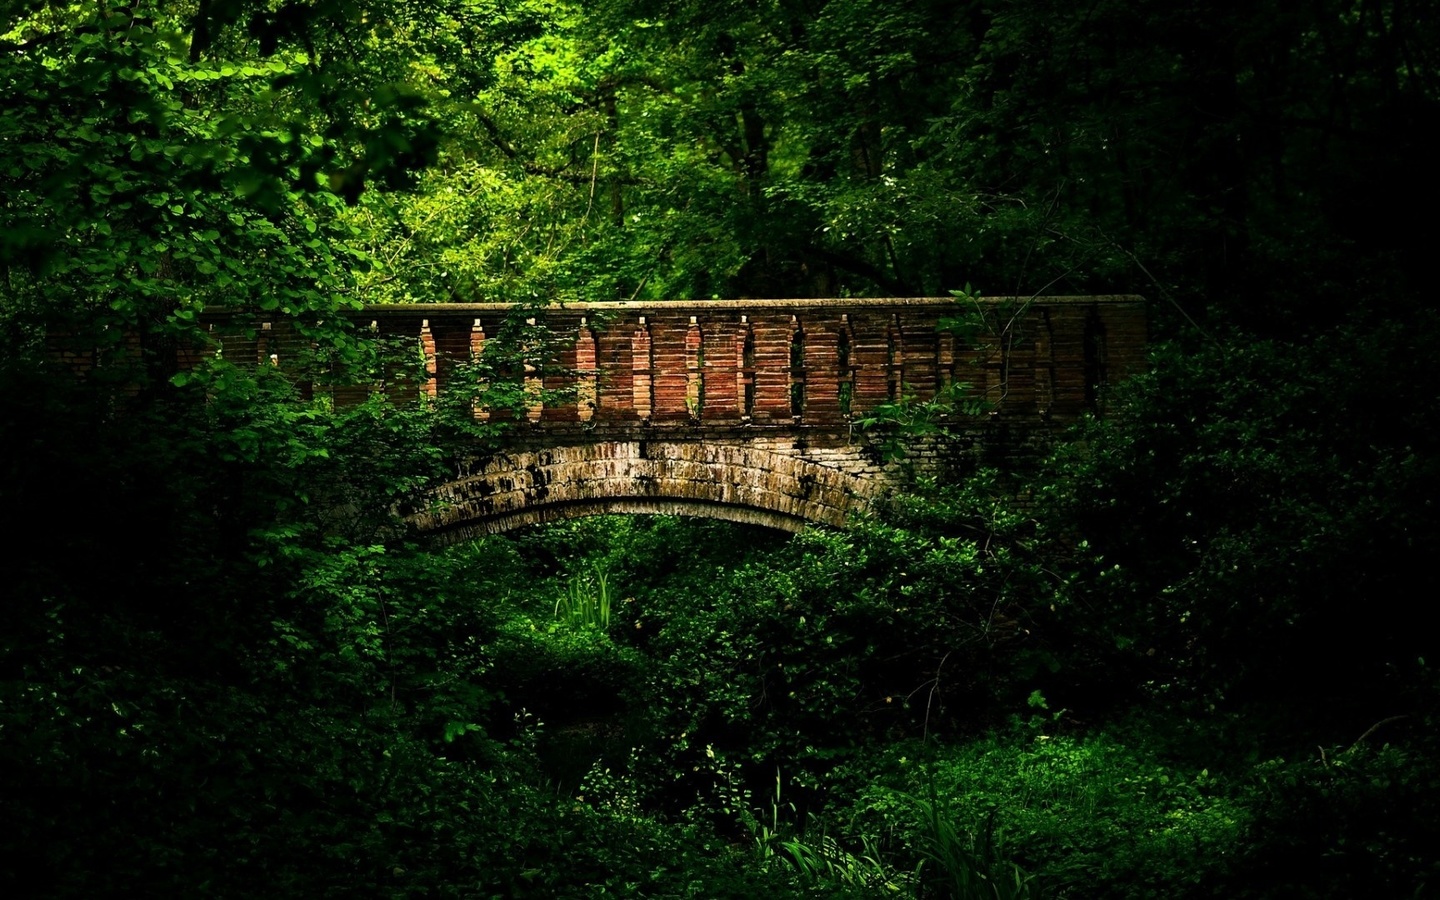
column 1164, row 293
column 934, row 686
column 594, row 172
column 1371, row 730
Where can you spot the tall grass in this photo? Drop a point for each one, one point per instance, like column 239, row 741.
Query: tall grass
column 818, row 860
column 963, row 865
column 586, row 601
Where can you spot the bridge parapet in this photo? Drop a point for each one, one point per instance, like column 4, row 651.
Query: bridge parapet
column 817, row 362
column 784, row 362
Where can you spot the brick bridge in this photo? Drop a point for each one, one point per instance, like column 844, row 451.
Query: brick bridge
column 747, row 409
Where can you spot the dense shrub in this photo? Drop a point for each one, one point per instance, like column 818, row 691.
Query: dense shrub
column 1090, row 816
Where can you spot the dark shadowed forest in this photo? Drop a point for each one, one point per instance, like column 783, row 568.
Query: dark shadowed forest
column 1182, row 656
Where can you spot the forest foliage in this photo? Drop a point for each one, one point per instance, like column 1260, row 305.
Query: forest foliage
column 1192, row 663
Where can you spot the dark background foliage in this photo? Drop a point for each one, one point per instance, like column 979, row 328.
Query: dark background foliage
column 1192, row 663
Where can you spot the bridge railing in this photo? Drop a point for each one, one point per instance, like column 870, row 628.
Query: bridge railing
column 757, row 362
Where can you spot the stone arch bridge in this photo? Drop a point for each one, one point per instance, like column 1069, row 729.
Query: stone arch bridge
column 747, row 409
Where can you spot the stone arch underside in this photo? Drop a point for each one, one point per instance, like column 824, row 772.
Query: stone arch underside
column 734, row 481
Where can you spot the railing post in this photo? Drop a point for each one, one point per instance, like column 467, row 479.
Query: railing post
column 745, row 370
column 694, row 370
column 585, row 390
column 477, row 350
column 431, row 388
column 894, row 359
column 641, row 367
column 1044, row 364
column 532, row 384
column 797, row 369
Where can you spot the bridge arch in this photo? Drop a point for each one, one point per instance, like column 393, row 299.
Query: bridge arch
column 741, row 481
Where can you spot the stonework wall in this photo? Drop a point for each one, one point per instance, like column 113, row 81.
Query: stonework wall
column 777, row 477
column 764, row 480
